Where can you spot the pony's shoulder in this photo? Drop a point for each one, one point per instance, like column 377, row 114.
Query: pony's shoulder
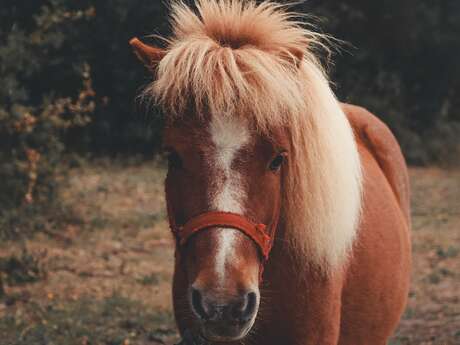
column 377, row 137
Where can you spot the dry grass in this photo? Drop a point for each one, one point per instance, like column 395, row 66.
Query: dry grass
column 433, row 312
column 105, row 279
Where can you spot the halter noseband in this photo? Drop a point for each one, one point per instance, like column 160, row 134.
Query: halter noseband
column 257, row 232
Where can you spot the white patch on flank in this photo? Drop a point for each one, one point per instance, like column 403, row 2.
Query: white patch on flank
column 229, row 136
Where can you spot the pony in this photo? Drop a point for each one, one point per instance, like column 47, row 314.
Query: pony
column 290, row 210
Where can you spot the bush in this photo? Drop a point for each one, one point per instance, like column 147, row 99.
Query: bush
column 34, row 115
column 401, row 63
column 403, row 66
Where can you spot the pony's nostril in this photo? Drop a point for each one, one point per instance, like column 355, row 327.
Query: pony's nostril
column 244, row 309
column 197, row 304
column 251, row 305
column 252, row 302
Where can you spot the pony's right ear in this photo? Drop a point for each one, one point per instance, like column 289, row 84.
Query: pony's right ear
column 148, row 55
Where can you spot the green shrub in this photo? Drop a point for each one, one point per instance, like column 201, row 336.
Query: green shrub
column 401, row 63
column 34, row 116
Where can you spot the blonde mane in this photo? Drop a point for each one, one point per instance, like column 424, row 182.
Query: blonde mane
column 239, row 58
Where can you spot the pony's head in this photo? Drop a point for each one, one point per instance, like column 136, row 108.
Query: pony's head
column 253, row 130
column 223, row 165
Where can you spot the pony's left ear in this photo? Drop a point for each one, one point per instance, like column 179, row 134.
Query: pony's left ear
column 295, row 55
column 148, row 55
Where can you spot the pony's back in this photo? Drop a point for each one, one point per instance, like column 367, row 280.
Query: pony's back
column 380, row 141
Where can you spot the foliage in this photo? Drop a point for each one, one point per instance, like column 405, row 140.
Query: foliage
column 34, row 113
column 402, row 64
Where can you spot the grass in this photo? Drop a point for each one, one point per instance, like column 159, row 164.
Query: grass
column 113, row 321
column 20, row 269
column 150, row 279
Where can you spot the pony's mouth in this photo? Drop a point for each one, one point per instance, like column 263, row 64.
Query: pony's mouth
column 225, row 331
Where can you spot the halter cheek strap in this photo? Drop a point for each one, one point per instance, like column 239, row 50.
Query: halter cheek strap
column 257, row 232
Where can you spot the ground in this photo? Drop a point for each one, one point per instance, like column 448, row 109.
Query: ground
column 104, row 277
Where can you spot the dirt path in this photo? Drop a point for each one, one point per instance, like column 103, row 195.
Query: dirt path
column 105, row 279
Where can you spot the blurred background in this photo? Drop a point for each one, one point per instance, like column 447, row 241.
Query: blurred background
column 85, row 254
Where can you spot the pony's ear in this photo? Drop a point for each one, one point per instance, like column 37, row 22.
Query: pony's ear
column 294, row 55
column 148, row 55
column 297, row 54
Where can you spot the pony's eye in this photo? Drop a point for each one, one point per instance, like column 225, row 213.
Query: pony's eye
column 174, row 160
column 277, row 162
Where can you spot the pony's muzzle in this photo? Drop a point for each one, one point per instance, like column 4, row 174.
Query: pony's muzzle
column 224, row 319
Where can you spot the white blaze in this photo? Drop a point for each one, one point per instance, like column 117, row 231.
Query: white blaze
column 229, row 136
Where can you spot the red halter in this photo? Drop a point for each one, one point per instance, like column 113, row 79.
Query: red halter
column 262, row 235
column 257, row 232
